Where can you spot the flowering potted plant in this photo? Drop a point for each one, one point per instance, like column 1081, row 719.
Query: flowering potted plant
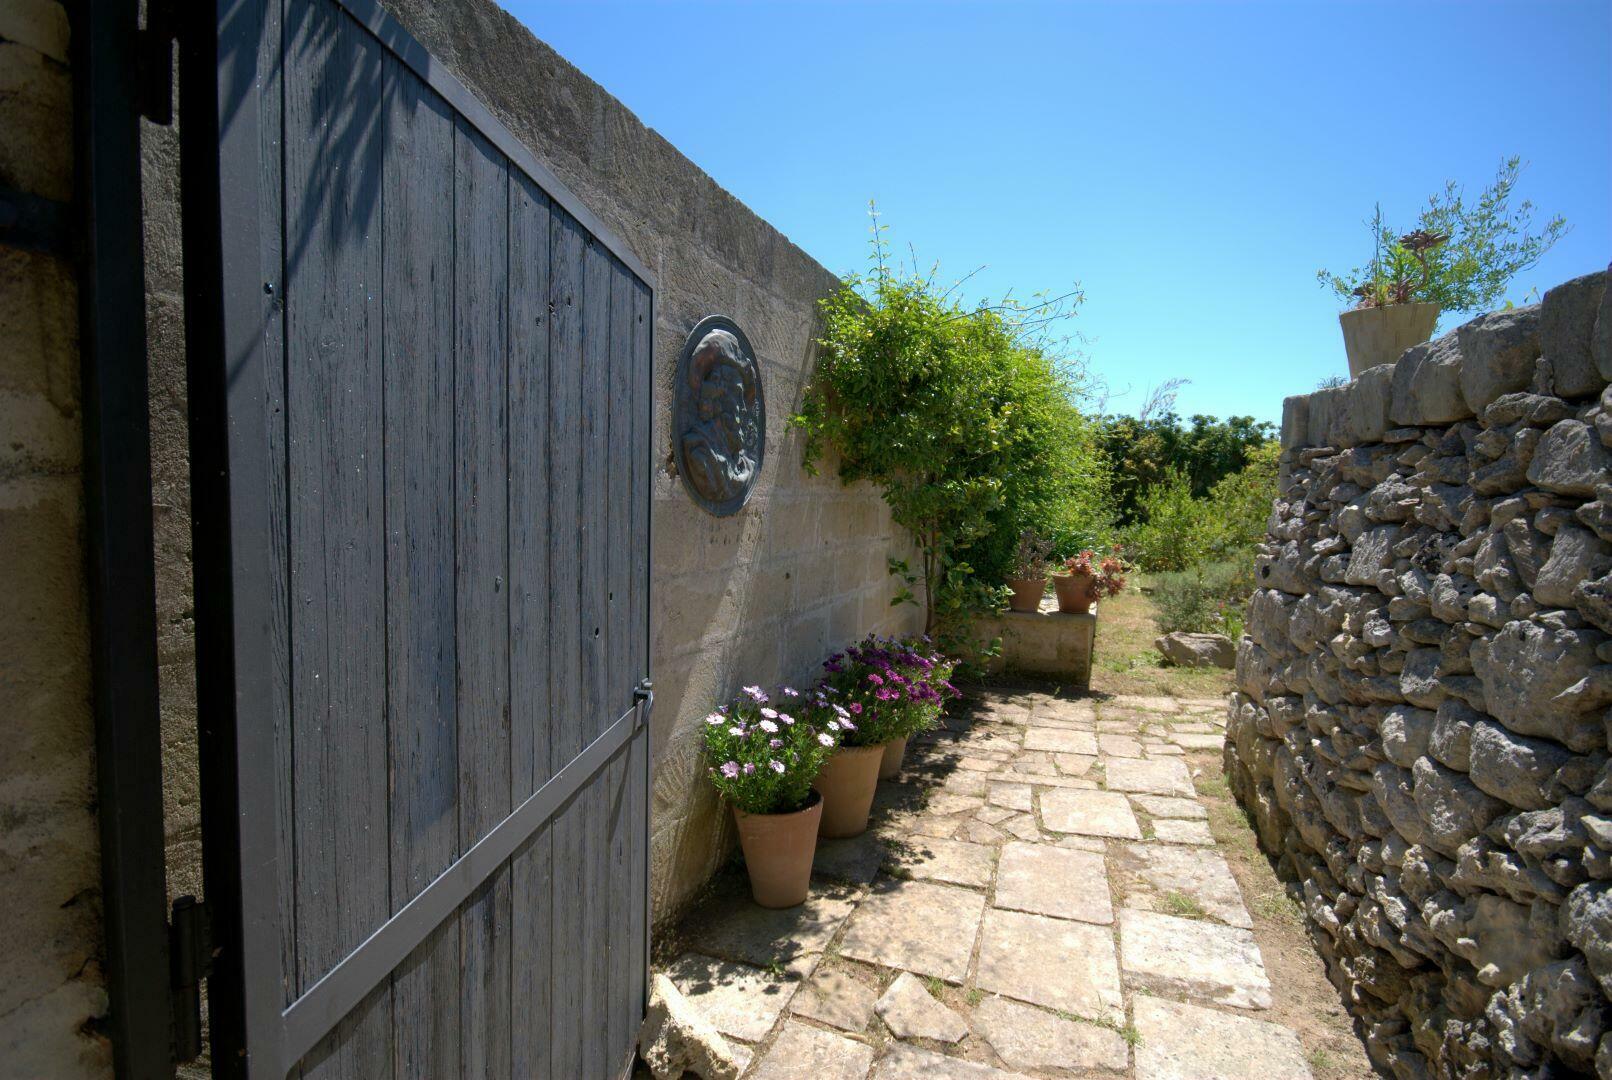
column 1088, row 578
column 917, row 684
column 763, row 758
column 1030, row 561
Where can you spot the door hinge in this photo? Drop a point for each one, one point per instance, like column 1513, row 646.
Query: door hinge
column 190, row 958
column 157, row 40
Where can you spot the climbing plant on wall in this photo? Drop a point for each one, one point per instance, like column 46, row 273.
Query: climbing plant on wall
column 965, row 417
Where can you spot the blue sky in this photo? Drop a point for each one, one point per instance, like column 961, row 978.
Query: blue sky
column 1191, row 165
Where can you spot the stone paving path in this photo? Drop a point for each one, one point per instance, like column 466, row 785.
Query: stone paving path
column 1039, row 895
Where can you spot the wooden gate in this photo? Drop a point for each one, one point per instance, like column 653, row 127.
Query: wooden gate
column 420, row 389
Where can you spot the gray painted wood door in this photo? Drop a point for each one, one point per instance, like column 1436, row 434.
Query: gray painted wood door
column 420, row 380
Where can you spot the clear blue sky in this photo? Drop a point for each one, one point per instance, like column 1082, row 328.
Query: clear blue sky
column 1190, row 164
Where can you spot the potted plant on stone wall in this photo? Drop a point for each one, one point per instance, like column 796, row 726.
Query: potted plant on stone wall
column 1088, row 578
column 1459, row 258
column 763, row 759
column 1031, row 559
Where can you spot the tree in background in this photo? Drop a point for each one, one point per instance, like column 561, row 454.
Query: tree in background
column 1151, row 451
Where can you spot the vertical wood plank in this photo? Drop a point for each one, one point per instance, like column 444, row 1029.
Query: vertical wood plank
column 595, row 532
column 271, row 201
column 481, row 385
column 565, row 550
column 621, row 676
column 530, row 710
column 641, row 456
column 418, row 341
column 333, row 150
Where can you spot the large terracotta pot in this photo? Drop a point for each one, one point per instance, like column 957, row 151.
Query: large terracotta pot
column 1379, row 335
column 1026, row 593
column 890, row 764
column 778, row 851
column 1076, row 592
column 846, row 782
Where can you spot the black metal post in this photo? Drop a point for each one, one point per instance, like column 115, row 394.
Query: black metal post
column 117, row 500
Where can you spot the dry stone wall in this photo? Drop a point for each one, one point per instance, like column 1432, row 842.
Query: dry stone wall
column 1420, row 729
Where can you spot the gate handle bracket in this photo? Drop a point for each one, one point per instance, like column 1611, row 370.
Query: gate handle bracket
column 644, row 692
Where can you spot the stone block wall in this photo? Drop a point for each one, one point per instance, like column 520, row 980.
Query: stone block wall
column 1420, row 728
column 758, row 597
column 52, row 991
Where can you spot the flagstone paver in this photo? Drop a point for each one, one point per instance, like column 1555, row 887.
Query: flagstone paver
column 1176, row 831
column 1187, row 1042
column 994, row 863
column 1091, row 813
column 1202, row 876
column 1119, row 745
column 905, row 1062
column 935, row 859
column 1026, row 1037
column 1051, row 962
column 738, row 999
column 1152, row 776
column 1060, row 740
column 1166, row 806
column 1204, row 960
column 916, row 926
column 1053, row 881
column 735, row 928
column 803, row 1052
column 911, row 1012
column 834, row 997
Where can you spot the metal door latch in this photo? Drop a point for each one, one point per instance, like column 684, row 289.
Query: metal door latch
column 644, row 692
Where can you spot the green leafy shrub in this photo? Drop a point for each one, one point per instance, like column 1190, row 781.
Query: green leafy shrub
column 1147, row 451
column 966, row 420
column 1207, row 599
column 1175, row 530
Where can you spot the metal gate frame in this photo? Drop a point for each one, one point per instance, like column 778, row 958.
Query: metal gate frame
column 226, row 301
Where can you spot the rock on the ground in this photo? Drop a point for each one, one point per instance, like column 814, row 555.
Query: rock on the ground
column 1197, row 650
column 911, row 1012
column 675, row 1039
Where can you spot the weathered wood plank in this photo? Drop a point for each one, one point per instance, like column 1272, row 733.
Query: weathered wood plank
column 595, row 530
column 481, row 386
column 271, row 188
column 531, row 714
column 565, row 560
column 333, row 168
column 418, row 340
column 642, row 454
column 620, row 674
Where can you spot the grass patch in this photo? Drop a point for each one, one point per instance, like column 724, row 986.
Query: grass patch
column 1214, row 786
column 936, row 987
column 1126, row 1031
column 974, row 996
column 1125, row 661
column 1320, row 1060
column 1180, row 904
column 1279, row 906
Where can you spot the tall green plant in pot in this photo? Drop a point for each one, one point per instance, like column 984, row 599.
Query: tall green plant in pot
column 1460, row 258
column 763, row 755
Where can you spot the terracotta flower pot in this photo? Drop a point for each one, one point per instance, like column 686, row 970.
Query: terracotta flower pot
column 846, row 783
column 890, row 764
column 1076, row 592
column 1380, row 335
column 1026, row 593
column 778, row 851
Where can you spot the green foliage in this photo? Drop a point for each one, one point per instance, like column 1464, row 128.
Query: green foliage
column 1487, row 242
column 1175, row 530
column 1148, row 451
column 763, row 751
column 964, row 417
column 1207, row 599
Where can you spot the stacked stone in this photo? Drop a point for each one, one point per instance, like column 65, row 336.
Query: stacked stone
column 1420, row 732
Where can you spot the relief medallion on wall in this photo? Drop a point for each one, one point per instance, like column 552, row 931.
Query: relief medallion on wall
column 719, row 417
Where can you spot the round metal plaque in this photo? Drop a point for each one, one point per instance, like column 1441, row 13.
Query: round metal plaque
column 719, row 416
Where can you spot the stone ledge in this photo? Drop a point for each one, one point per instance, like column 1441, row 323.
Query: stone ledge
column 1043, row 643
